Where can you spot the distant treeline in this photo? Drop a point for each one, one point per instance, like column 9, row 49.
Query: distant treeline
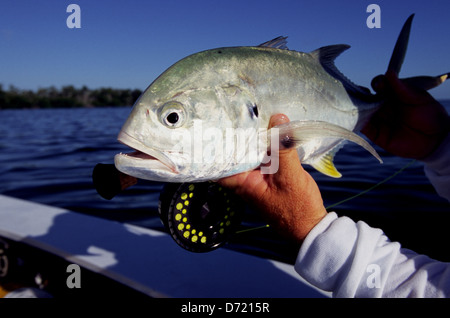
column 66, row 96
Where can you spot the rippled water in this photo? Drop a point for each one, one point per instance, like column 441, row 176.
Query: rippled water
column 47, row 156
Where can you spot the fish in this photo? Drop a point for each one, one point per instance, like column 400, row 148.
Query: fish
column 206, row 117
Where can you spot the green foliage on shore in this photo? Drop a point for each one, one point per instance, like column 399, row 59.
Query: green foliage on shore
column 66, row 96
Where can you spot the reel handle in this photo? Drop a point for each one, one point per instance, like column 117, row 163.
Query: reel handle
column 108, row 181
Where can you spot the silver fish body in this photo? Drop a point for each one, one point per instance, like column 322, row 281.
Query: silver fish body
column 206, row 117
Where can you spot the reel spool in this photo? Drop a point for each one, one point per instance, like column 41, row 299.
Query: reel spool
column 200, row 217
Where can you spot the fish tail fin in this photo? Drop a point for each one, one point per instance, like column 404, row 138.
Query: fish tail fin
column 398, row 55
column 426, row 82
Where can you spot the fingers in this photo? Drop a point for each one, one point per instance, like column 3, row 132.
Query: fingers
column 390, row 85
column 251, row 179
column 392, row 88
column 289, row 199
column 410, row 122
column 287, row 160
column 236, row 181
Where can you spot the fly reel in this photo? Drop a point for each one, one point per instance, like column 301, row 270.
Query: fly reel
column 200, row 217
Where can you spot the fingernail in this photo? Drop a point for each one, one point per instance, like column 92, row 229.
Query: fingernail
column 279, row 119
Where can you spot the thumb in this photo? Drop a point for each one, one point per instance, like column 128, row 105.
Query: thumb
column 278, row 119
column 287, row 159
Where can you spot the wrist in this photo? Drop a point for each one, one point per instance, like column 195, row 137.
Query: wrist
column 307, row 225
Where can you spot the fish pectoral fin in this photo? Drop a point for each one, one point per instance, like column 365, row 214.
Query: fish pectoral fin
column 297, row 133
column 325, row 165
column 426, row 82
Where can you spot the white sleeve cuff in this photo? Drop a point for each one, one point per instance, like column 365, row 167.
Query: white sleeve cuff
column 437, row 169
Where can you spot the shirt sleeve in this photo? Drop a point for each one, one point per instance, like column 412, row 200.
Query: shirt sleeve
column 437, row 169
column 352, row 259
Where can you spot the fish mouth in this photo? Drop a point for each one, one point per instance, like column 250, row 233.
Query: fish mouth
column 157, row 159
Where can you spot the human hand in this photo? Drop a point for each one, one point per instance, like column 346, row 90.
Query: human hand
column 410, row 123
column 289, row 200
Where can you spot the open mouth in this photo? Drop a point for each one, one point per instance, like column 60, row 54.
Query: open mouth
column 142, row 152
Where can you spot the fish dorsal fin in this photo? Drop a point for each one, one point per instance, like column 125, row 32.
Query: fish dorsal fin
column 277, row 43
column 326, row 56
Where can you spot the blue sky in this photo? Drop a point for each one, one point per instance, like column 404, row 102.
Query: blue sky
column 127, row 44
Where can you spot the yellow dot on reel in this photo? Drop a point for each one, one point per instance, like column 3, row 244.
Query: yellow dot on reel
column 184, row 196
column 178, row 217
column 180, row 227
column 194, row 238
column 222, row 230
column 179, row 206
column 203, row 239
column 191, row 187
column 186, row 203
column 186, row 234
column 184, row 211
column 191, row 195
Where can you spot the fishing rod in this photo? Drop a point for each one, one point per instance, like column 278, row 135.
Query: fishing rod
column 202, row 216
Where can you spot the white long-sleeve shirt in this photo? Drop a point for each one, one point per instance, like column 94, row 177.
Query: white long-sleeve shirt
column 354, row 260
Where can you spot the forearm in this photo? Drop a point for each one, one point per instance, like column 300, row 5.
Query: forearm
column 354, row 260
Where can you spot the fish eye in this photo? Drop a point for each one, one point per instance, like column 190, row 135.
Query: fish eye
column 172, row 118
column 172, row 114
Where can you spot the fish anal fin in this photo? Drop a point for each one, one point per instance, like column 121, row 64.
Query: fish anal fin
column 325, row 165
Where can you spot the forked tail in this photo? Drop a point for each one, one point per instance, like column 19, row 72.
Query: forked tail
column 398, row 56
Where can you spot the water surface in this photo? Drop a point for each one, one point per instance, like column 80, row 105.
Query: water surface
column 47, row 156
